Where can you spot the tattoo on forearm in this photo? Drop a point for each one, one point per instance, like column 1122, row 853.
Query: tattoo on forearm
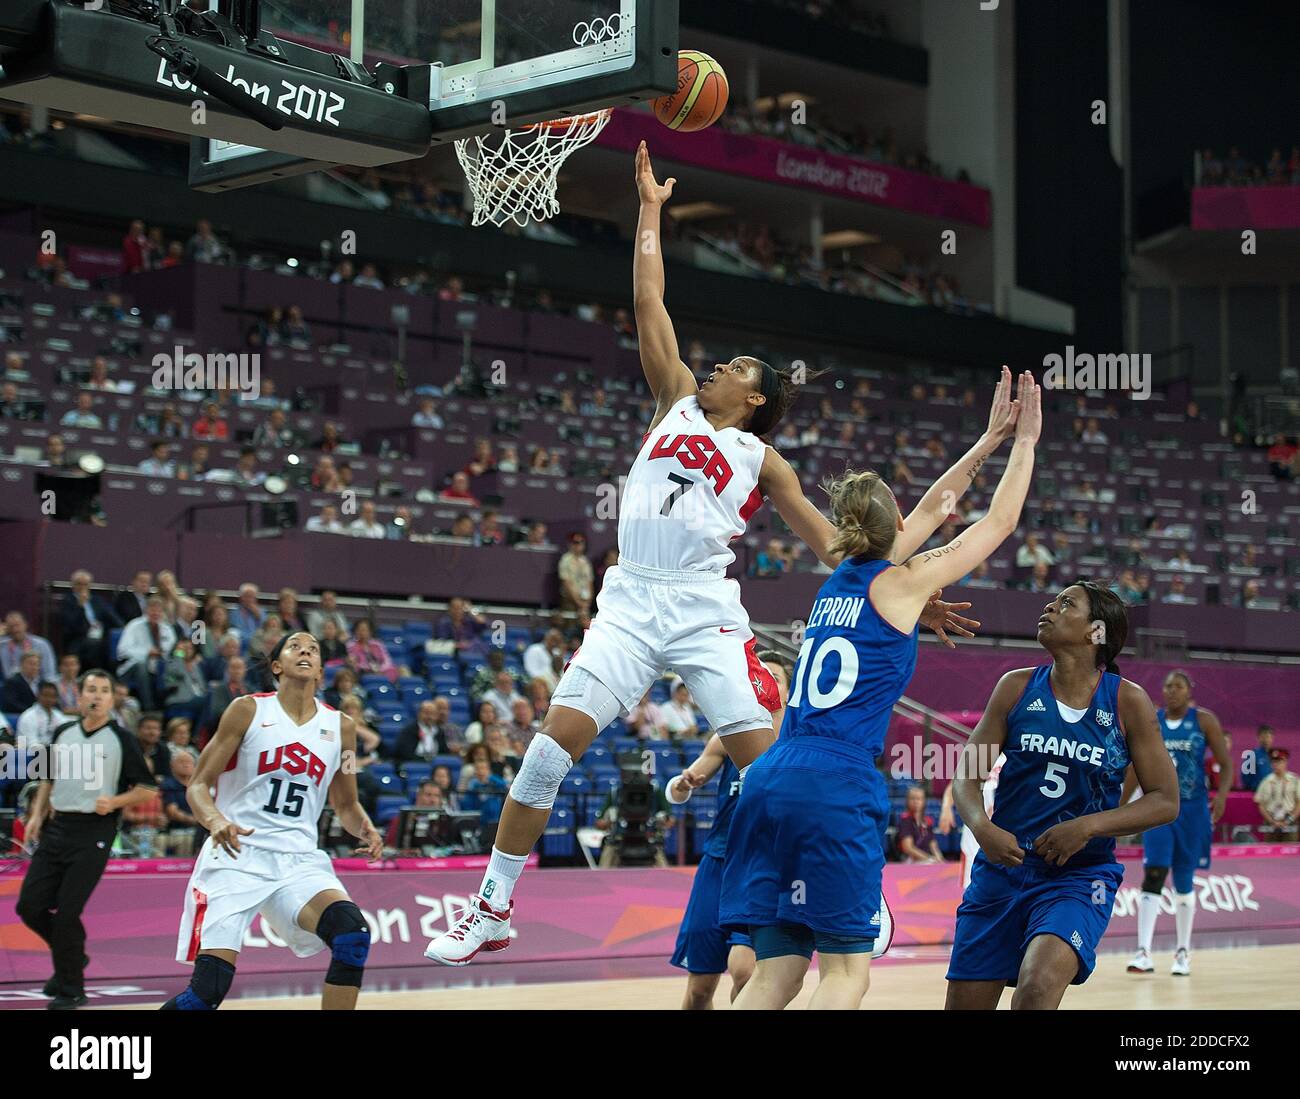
column 976, row 467
column 942, row 550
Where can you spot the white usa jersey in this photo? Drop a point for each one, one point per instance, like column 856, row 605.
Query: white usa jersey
column 278, row 782
column 690, row 493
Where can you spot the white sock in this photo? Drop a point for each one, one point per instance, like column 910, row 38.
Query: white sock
column 1184, row 914
column 1148, row 910
column 499, row 878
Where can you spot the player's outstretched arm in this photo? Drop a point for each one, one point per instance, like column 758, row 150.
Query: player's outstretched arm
column 976, row 762
column 669, row 378
column 778, row 481
column 1154, row 770
column 343, row 794
column 938, row 503
column 219, row 752
column 927, row 571
column 680, row 787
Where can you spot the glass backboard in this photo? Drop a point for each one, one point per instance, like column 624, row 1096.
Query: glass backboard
column 495, row 63
column 541, row 52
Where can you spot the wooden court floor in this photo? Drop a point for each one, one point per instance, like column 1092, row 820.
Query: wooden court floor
column 1222, row 979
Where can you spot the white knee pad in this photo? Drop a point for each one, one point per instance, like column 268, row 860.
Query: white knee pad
column 543, row 769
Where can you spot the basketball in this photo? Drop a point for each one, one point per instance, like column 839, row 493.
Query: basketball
column 701, row 94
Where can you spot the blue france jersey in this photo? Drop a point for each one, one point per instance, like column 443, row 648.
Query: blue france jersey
column 1057, row 770
column 728, row 790
column 1185, row 743
column 853, row 665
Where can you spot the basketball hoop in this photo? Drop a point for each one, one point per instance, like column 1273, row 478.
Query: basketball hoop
column 513, row 174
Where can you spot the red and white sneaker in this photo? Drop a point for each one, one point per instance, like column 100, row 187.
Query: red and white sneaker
column 481, row 927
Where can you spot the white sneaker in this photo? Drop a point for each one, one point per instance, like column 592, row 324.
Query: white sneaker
column 1182, row 966
column 480, row 927
column 1141, row 963
column 885, row 918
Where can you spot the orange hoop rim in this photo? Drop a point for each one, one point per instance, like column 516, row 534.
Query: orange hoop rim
column 572, row 120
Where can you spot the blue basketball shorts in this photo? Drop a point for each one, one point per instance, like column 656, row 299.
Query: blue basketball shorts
column 1006, row 907
column 1183, row 844
column 806, row 844
column 702, row 944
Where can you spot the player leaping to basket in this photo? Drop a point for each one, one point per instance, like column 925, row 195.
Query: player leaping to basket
column 702, row 471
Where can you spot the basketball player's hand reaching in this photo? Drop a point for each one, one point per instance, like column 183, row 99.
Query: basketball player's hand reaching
column 646, row 185
column 226, row 836
column 1003, row 412
column 941, row 617
column 682, row 786
column 1029, row 421
column 372, row 843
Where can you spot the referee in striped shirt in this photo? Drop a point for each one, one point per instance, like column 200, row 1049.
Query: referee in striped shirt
column 94, row 770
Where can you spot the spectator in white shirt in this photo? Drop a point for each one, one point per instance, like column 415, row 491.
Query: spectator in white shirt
column 329, row 608
column 488, row 716
column 1093, row 433
column 84, row 414
column 540, row 658
column 508, row 460
column 142, row 650
column 1032, row 553
column 327, row 522
column 37, row 723
column 366, row 525
column 369, row 278
column 502, row 694
column 679, row 714
column 18, row 640
column 1177, row 592
column 159, row 463
column 426, row 415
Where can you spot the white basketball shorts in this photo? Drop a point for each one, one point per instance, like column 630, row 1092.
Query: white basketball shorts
column 226, row 894
column 649, row 622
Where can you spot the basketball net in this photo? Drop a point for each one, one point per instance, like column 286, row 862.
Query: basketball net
column 513, row 174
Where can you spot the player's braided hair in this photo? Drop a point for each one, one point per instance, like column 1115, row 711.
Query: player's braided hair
column 865, row 515
column 1107, row 611
column 779, row 390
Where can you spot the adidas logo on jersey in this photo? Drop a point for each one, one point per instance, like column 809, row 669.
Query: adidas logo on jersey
column 1036, row 707
column 1104, row 719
